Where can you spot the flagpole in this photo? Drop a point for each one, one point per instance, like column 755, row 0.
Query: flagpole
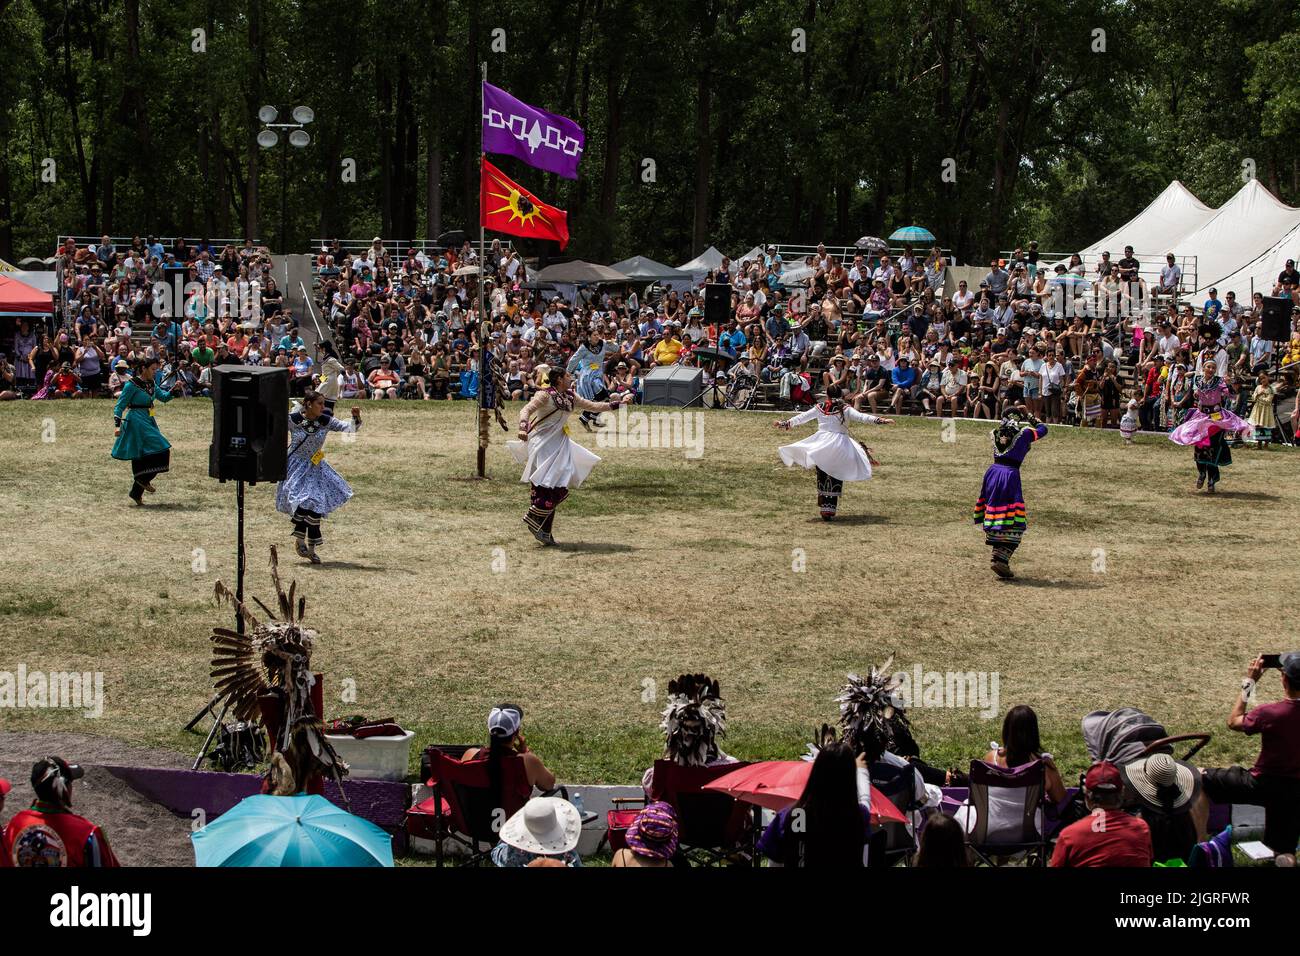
column 483, row 326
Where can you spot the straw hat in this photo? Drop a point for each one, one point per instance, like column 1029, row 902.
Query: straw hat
column 546, row 825
column 1146, row 777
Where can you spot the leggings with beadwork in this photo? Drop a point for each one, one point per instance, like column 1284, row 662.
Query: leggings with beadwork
column 542, row 504
column 828, row 492
column 306, row 527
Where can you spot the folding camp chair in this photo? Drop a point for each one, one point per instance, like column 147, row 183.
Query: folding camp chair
column 462, row 809
column 713, row 827
column 894, row 841
column 1006, row 802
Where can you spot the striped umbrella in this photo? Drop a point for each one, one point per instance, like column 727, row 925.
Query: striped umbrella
column 912, row 234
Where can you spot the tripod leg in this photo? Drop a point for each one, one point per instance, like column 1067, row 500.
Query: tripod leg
column 207, row 708
column 207, row 743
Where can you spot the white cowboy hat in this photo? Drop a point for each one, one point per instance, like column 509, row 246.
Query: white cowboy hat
column 546, row 825
column 1161, row 770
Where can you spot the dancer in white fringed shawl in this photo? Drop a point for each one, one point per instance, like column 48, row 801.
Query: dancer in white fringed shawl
column 311, row 488
column 835, row 454
column 553, row 463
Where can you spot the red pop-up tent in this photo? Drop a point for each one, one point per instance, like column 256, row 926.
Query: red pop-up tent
column 18, row 298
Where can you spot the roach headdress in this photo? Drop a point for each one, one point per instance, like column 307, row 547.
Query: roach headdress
column 872, row 719
column 696, row 716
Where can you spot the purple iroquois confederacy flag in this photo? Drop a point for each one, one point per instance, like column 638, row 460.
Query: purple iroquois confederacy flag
column 540, row 139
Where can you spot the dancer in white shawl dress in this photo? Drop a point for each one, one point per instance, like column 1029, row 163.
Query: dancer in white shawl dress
column 311, row 488
column 553, row 462
column 835, row 454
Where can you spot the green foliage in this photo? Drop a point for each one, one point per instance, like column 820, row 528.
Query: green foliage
column 752, row 140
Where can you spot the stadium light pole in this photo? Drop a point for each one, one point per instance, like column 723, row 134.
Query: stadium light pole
column 298, row 137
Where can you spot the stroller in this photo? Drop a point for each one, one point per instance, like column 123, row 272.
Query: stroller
column 1125, row 737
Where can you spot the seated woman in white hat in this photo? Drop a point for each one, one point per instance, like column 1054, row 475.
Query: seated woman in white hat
column 544, row 833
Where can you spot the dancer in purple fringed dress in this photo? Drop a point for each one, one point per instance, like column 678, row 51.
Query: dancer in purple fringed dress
column 1001, row 505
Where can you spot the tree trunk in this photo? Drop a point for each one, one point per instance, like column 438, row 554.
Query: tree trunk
column 613, row 131
column 708, row 13
column 252, row 205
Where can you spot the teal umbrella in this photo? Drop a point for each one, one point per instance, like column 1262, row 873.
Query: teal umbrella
column 912, row 234
column 263, row 830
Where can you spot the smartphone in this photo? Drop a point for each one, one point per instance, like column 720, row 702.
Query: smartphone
column 1273, row 661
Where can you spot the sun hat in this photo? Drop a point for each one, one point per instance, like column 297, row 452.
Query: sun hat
column 654, row 832
column 546, row 825
column 1147, row 777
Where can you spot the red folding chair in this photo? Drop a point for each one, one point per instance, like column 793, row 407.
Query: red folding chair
column 462, row 809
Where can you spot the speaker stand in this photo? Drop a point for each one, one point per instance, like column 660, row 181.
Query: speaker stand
column 239, row 628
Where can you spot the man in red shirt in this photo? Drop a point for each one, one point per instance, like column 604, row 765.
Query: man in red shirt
column 50, row 834
column 1274, row 782
column 1108, row 836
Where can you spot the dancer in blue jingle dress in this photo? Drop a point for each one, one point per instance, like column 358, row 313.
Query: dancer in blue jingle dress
column 138, row 439
column 1001, row 505
column 311, row 488
column 1207, row 428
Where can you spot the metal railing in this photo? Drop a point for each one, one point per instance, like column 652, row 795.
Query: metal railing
column 397, row 249
column 792, row 252
column 1149, row 266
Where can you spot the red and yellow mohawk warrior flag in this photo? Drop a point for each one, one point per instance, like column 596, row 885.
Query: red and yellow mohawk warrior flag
column 505, row 206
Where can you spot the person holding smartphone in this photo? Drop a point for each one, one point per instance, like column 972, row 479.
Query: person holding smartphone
column 1274, row 781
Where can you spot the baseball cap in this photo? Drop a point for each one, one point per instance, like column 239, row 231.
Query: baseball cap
column 1103, row 775
column 1291, row 666
column 504, row 721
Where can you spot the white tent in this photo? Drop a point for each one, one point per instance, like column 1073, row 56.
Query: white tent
column 42, row 281
column 1246, row 227
column 704, row 263
column 1259, row 274
column 1172, row 215
column 645, row 269
column 757, row 253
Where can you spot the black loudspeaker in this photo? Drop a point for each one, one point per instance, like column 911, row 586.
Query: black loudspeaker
column 250, row 423
column 1276, row 318
column 717, row 303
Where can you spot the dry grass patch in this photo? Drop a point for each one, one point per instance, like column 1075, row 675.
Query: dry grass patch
column 668, row 564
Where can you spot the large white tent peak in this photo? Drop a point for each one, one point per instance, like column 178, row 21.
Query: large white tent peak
column 1169, row 217
column 1242, row 230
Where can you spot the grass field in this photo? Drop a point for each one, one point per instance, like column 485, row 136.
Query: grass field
column 1134, row 590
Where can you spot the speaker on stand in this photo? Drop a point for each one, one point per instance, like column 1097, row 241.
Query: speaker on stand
column 250, row 438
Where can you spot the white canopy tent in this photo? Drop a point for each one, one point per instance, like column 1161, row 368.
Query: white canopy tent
column 1259, row 274
column 704, row 263
column 1172, row 215
column 1243, row 230
column 645, row 269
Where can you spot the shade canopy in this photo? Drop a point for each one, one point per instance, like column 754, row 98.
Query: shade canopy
column 645, row 269
column 579, row 272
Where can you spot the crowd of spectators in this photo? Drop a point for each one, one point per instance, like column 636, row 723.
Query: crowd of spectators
column 1137, row 811
column 1073, row 347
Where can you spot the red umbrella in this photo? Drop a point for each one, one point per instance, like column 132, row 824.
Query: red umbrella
column 778, row 784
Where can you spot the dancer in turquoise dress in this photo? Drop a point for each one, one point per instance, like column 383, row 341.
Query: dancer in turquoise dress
column 311, row 488
column 138, row 439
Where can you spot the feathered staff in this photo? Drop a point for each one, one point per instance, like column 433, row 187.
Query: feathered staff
column 696, row 716
column 273, row 658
